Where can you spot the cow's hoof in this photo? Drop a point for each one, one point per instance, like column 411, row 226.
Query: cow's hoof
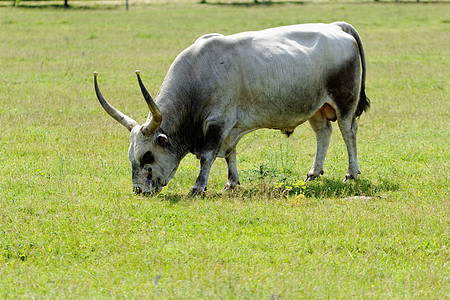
column 230, row 186
column 195, row 191
column 347, row 178
column 351, row 177
column 310, row 176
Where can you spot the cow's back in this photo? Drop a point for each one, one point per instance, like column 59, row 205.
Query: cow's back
column 278, row 72
column 272, row 77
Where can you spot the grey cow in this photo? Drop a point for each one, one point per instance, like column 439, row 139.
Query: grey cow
column 223, row 87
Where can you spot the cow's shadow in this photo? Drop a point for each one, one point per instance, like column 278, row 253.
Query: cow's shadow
column 334, row 188
column 320, row 188
column 324, row 188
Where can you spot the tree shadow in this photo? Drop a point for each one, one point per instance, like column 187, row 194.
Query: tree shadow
column 61, row 6
column 252, row 3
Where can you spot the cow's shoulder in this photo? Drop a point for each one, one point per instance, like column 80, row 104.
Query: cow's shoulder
column 211, row 46
column 207, row 36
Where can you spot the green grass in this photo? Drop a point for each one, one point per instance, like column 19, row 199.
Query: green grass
column 70, row 227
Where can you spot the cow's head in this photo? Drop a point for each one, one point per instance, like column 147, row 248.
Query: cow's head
column 152, row 162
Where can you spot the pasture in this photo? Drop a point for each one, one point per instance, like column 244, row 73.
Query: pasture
column 70, row 226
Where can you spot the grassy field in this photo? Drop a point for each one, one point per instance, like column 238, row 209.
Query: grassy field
column 70, row 226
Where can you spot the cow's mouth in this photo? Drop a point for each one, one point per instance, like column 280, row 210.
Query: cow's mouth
column 153, row 188
column 152, row 192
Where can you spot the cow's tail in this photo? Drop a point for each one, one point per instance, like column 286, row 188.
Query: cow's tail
column 364, row 102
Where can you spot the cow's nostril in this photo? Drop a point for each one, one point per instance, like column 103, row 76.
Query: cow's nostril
column 149, row 175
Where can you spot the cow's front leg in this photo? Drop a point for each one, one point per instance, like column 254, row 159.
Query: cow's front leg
column 322, row 128
column 213, row 140
column 206, row 162
column 233, row 176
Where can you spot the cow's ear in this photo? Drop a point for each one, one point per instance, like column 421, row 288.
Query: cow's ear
column 162, row 140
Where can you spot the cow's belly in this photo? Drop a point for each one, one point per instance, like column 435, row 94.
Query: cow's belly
column 282, row 110
column 286, row 125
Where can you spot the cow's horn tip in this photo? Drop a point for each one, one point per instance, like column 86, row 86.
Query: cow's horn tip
column 95, row 73
column 138, row 72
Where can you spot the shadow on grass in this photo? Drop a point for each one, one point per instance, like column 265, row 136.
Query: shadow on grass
column 57, row 6
column 173, row 198
column 252, row 3
column 330, row 188
column 320, row 188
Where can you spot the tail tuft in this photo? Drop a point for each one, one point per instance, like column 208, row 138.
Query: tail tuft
column 363, row 104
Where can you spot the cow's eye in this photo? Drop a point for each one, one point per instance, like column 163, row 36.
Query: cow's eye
column 147, row 158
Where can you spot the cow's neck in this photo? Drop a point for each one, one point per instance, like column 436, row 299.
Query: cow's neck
column 181, row 103
column 179, row 122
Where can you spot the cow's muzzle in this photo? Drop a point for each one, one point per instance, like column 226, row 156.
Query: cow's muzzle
column 147, row 192
column 137, row 190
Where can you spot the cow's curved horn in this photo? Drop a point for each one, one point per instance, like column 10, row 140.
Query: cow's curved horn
column 126, row 121
column 152, row 123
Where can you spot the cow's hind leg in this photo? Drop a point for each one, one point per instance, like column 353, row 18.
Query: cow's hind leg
column 348, row 129
column 343, row 87
column 233, row 176
column 322, row 128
